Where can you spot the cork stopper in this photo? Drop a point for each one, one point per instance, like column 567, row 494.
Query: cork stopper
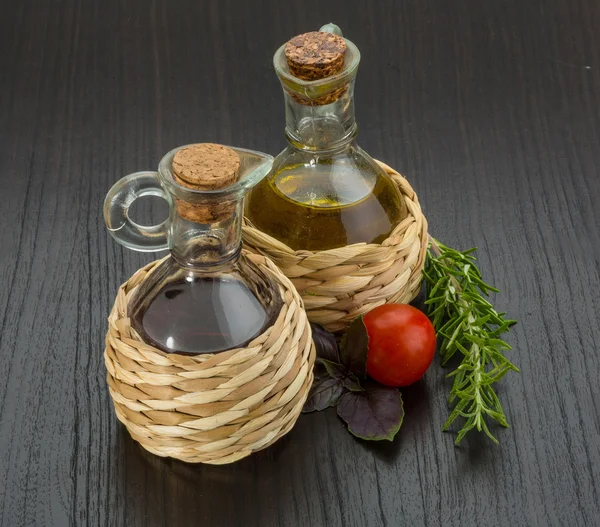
column 205, row 166
column 315, row 55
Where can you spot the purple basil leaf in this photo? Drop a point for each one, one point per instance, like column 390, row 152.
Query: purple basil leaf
column 351, row 382
column 319, row 371
column 341, row 373
column 323, row 394
column 334, row 370
column 354, row 348
column 375, row 413
column 325, row 343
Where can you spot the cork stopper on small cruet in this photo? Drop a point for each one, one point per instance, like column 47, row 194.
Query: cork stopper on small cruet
column 205, row 166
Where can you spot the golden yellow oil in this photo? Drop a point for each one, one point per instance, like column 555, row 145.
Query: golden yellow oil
column 315, row 207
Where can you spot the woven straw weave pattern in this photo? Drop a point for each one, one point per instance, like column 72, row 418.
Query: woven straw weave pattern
column 338, row 285
column 211, row 408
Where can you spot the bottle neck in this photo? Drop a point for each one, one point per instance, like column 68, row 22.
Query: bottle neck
column 320, row 127
column 206, row 244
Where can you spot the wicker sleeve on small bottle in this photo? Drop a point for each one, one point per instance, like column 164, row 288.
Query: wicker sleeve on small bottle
column 211, row 408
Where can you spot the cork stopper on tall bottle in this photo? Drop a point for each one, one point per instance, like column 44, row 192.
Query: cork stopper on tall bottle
column 314, row 56
column 206, row 166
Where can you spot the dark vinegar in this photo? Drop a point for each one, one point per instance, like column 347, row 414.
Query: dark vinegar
column 202, row 315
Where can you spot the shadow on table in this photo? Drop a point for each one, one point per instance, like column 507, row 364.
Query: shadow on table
column 164, row 491
column 416, row 413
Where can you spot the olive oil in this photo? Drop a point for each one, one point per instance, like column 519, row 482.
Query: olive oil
column 323, row 206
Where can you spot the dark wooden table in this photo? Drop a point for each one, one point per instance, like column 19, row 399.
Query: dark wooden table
column 490, row 107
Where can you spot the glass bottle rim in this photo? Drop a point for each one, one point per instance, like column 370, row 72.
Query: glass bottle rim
column 254, row 166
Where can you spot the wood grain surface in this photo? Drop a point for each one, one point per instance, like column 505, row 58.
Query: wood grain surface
column 490, row 107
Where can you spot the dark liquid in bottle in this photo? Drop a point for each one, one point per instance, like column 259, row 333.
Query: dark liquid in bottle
column 202, row 315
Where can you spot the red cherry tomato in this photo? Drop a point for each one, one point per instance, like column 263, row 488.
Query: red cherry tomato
column 402, row 344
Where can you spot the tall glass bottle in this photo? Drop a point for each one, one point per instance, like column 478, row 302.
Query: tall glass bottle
column 323, row 191
column 206, row 297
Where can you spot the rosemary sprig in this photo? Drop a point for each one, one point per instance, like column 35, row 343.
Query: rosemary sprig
column 468, row 324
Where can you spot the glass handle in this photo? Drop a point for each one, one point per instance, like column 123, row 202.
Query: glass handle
column 116, row 213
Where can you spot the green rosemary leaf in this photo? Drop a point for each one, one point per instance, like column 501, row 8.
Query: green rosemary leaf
column 469, row 327
column 455, row 413
column 488, row 433
column 482, row 320
column 469, row 425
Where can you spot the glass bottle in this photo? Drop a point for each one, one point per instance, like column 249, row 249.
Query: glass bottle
column 323, row 191
column 206, row 297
